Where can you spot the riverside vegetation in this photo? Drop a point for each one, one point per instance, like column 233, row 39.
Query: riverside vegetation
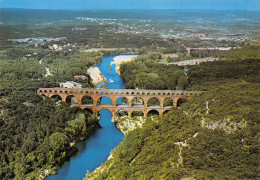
column 212, row 136
column 37, row 133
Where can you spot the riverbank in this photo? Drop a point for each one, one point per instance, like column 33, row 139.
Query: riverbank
column 70, row 151
column 125, row 125
column 95, row 75
column 95, row 150
column 121, row 59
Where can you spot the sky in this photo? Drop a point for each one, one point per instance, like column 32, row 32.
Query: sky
column 133, row 4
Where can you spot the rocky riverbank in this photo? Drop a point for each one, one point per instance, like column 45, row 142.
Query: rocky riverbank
column 126, row 124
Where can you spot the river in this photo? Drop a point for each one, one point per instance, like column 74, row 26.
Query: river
column 95, row 150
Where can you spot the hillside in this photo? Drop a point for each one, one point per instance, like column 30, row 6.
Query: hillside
column 212, row 136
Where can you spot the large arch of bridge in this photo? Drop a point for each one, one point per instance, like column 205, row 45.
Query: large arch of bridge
column 123, row 99
column 166, row 111
column 98, row 112
column 71, row 100
column 137, row 98
column 87, row 99
column 122, row 112
column 137, row 112
column 54, row 96
column 180, row 101
column 89, row 110
column 168, row 101
column 108, row 101
column 153, row 99
column 153, row 112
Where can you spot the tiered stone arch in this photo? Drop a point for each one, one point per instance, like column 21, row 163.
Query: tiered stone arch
column 153, row 98
column 55, row 96
column 87, row 100
column 114, row 94
column 103, row 108
column 88, row 110
column 72, row 100
column 142, row 113
column 122, row 98
column 131, row 104
column 164, row 101
column 122, row 112
column 153, row 111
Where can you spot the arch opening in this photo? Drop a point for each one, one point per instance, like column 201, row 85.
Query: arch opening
column 137, row 102
column 181, row 101
column 87, row 101
column 43, row 96
column 71, row 100
column 153, row 102
column 121, row 113
column 137, row 113
column 104, row 100
column 153, row 113
column 165, row 112
column 122, row 101
column 168, row 102
column 88, row 111
column 56, row 98
column 104, row 117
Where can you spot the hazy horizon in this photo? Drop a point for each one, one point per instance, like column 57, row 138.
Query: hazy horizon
column 244, row 5
column 10, row 8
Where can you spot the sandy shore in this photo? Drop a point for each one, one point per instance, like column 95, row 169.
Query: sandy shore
column 121, row 59
column 95, row 75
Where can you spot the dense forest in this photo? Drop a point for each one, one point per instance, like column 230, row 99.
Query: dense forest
column 212, row 136
column 146, row 73
column 38, row 133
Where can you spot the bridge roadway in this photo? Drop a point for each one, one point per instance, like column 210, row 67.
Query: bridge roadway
column 132, row 96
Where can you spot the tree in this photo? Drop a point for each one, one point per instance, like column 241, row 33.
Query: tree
column 58, row 141
column 182, row 82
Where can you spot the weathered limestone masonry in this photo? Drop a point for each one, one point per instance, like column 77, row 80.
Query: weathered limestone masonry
column 114, row 94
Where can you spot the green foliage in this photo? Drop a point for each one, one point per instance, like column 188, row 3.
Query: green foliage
column 58, row 141
column 78, row 126
column 35, row 132
column 206, row 76
column 147, row 73
column 35, row 137
column 152, row 152
column 220, row 129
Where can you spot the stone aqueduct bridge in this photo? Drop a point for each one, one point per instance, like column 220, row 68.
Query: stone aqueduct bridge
column 114, row 94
